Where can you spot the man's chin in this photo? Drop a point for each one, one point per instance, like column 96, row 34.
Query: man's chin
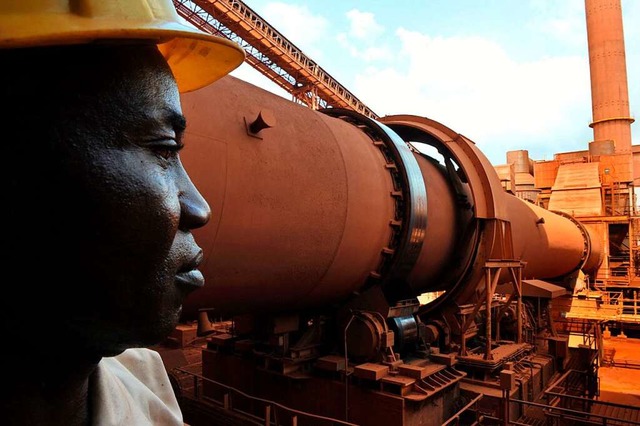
column 140, row 337
column 162, row 329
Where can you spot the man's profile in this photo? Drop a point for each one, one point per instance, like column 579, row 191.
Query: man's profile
column 100, row 208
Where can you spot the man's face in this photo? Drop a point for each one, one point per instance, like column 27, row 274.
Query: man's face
column 117, row 210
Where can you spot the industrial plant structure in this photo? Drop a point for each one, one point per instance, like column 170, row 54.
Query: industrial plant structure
column 380, row 271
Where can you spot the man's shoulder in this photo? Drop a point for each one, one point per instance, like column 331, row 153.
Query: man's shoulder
column 135, row 386
column 144, row 364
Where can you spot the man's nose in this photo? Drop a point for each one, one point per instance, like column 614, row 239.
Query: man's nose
column 194, row 209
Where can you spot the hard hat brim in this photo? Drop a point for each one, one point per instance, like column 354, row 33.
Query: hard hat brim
column 196, row 59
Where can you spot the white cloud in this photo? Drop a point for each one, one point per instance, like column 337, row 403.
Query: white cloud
column 363, row 25
column 471, row 85
column 297, row 22
column 361, row 40
column 559, row 23
column 570, row 30
column 376, row 53
column 368, row 54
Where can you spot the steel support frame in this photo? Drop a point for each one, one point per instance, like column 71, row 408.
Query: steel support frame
column 492, row 271
column 303, row 90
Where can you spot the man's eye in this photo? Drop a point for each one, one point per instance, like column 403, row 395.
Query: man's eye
column 167, row 150
column 165, row 153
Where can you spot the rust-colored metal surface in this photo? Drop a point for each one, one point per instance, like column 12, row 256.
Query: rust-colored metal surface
column 309, row 209
column 301, row 211
column 609, row 90
column 551, row 245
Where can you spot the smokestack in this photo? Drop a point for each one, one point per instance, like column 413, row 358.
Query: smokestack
column 609, row 91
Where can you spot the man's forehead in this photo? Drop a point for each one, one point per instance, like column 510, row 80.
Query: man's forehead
column 152, row 97
column 136, row 73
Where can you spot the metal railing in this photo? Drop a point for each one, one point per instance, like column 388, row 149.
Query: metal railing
column 592, row 405
column 625, row 305
column 572, row 382
column 231, row 399
column 455, row 419
column 560, row 416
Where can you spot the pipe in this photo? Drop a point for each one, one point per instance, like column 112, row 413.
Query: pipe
column 318, row 208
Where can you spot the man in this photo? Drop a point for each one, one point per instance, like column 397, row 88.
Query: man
column 100, row 209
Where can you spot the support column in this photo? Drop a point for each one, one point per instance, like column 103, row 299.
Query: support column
column 518, row 285
column 488, row 299
column 607, row 65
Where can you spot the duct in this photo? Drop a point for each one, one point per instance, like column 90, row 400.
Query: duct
column 577, row 190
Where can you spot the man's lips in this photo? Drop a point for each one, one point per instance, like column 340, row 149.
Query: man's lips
column 188, row 275
column 190, row 279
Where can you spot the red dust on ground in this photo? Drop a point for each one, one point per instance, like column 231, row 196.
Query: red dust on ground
column 620, row 382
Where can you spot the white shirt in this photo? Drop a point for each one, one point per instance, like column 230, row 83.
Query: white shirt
column 133, row 389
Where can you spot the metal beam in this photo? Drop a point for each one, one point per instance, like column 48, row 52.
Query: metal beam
column 271, row 53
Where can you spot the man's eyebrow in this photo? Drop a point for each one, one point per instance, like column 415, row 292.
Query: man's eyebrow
column 177, row 121
column 167, row 118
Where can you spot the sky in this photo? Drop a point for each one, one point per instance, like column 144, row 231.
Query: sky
column 507, row 74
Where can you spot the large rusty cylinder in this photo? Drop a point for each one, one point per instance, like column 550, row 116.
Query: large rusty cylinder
column 551, row 245
column 301, row 211
column 310, row 208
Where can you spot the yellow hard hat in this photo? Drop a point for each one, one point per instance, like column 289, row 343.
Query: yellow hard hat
column 196, row 58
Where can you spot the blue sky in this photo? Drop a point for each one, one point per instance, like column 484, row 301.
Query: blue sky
column 508, row 74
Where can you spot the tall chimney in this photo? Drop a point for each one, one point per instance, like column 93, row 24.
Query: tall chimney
column 609, row 91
